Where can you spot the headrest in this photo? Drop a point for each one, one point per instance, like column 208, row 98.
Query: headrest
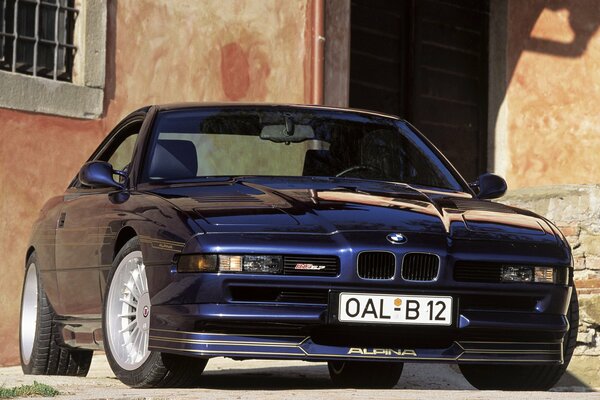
column 317, row 163
column 174, row 159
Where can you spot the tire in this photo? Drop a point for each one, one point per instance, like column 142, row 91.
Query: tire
column 39, row 337
column 527, row 377
column 127, row 307
column 365, row 374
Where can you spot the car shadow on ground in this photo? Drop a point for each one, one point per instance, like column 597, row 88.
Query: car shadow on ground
column 316, row 376
column 252, row 375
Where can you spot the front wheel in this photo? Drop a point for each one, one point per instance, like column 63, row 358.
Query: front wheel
column 39, row 337
column 126, row 325
column 365, row 374
column 526, row 377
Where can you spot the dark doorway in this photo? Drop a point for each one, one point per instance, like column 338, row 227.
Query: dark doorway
column 426, row 61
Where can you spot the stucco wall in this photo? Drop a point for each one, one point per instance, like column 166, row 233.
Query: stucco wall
column 553, row 96
column 158, row 51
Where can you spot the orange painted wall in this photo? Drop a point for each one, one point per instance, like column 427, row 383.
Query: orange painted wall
column 553, row 97
column 158, row 51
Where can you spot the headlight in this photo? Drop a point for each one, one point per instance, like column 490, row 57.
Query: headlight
column 517, row 274
column 512, row 273
column 253, row 264
column 263, row 264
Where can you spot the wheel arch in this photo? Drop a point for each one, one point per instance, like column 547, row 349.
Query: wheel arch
column 30, row 251
column 125, row 234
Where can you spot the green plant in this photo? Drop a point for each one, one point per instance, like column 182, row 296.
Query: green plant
column 37, row 389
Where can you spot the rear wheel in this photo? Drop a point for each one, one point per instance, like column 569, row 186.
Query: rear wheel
column 39, row 337
column 126, row 323
column 364, row 374
column 526, row 377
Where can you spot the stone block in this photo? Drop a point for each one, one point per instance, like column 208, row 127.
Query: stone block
column 587, row 337
column 589, row 309
column 592, row 262
column 570, row 231
column 590, row 244
column 574, row 242
column 585, row 275
column 578, row 262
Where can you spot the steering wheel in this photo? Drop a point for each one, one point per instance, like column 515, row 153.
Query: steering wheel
column 360, row 167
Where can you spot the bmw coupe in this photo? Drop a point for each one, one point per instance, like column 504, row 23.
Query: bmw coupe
column 291, row 232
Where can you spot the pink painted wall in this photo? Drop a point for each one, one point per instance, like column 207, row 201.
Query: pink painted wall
column 159, row 51
column 553, row 97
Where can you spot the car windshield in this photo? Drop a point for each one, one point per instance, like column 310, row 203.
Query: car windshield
column 188, row 144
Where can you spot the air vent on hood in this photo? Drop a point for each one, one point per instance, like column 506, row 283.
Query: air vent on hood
column 481, row 205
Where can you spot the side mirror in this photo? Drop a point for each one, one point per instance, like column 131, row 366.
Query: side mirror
column 99, row 173
column 490, row 186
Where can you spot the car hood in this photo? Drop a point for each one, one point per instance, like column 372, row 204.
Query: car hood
column 326, row 206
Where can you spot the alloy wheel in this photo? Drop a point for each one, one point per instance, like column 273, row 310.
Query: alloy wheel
column 29, row 312
column 128, row 312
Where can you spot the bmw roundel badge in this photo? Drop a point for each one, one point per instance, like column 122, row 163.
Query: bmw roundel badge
column 396, row 238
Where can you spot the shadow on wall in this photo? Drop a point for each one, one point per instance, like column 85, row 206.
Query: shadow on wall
column 584, row 20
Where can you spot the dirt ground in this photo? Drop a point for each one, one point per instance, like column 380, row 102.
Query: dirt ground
column 227, row 379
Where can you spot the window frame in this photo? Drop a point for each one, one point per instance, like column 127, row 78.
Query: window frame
column 84, row 96
column 40, row 29
column 404, row 128
column 112, row 142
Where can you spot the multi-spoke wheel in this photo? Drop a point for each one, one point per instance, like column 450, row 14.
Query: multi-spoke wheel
column 128, row 312
column 126, row 322
column 41, row 350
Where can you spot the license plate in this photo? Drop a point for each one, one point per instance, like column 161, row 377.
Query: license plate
column 395, row 309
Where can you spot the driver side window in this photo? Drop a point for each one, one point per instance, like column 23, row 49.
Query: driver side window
column 123, row 154
column 120, row 152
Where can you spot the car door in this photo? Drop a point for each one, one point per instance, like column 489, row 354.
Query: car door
column 78, row 236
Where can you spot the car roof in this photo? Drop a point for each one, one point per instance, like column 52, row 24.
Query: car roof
column 266, row 106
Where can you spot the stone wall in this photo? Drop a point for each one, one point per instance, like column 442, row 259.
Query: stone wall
column 575, row 209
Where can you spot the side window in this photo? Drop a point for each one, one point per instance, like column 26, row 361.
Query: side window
column 117, row 149
column 123, row 154
column 120, row 151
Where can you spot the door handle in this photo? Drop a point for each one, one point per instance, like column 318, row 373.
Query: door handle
column 61, row 220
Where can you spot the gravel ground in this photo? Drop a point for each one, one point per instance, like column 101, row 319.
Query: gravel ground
column 263, row 380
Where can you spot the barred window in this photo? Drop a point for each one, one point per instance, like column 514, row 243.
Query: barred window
column 36, row 37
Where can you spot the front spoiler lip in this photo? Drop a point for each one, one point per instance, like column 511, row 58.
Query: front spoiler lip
column 204, row 344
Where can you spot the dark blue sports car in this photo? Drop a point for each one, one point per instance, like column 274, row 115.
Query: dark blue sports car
column 291, row 232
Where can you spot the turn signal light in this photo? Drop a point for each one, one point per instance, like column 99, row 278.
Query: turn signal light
column 544, row 275
column 230, row 263
column 197, row 263
column 262, row 264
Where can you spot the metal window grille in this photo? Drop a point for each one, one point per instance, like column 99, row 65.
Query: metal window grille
column 36, row 37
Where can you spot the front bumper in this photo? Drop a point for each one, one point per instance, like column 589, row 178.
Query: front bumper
column 304, row 348
column 285, row 316
column 311, row 332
